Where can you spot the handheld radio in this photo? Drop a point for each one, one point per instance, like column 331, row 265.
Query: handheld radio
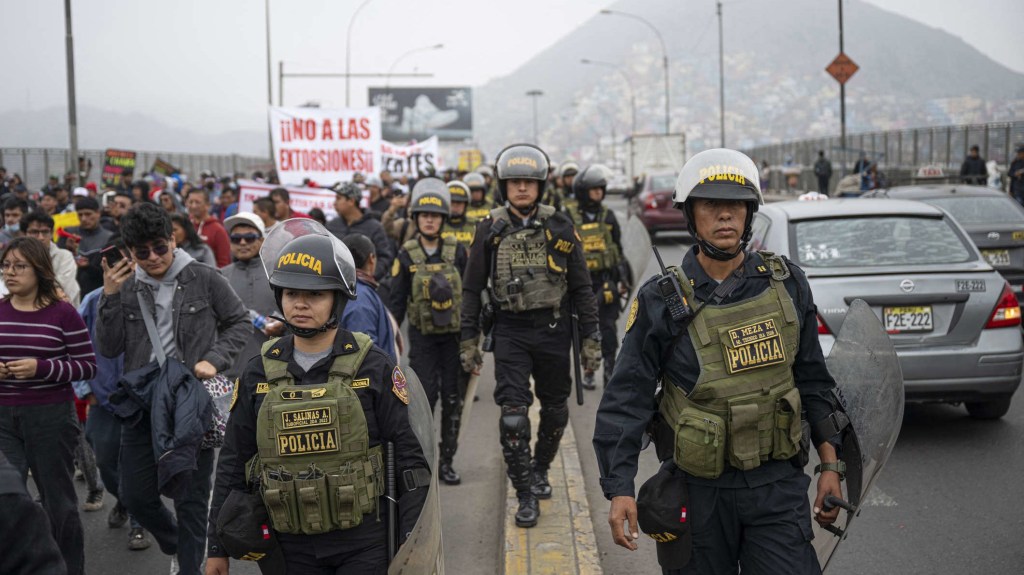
column 672, row 292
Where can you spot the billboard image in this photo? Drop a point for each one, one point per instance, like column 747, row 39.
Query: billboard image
column 419, row 113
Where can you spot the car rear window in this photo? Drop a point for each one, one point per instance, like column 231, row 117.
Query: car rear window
column 981, row 210
column 666, row 182
column 878, row 241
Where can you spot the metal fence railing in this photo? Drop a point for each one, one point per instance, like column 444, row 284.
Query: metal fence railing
column 35, row 165
column 899, row 153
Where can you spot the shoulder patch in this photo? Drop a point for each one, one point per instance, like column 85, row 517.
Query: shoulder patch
column 398, row 385
column 234, row 396
column 362, row 382
column 396, row 267
column 262, row 387
column 633, row 309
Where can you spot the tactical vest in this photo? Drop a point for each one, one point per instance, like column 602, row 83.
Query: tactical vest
column 521, row 278
column 745, row 407
column 419, row 304
column 599, row 248
column 316, row 468
column 476, row 213
column 462, row 234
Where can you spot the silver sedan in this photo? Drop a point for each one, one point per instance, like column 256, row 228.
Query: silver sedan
column 954, row 321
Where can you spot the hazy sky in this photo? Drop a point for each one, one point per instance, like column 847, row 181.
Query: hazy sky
column 201, row 64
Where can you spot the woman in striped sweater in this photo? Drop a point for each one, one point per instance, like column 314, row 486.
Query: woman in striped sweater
column 44, row 346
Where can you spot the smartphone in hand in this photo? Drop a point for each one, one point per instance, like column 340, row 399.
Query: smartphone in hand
column 112, row 255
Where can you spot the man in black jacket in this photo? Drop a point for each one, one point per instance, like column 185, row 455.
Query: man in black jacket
column 973, row 170
column 352, row 219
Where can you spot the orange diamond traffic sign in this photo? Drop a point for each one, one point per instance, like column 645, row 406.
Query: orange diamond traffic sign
column 842, row 68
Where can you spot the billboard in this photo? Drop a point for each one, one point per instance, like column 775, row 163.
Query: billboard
column 419, row 113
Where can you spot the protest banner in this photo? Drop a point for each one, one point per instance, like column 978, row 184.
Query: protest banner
column 301, row 199
column 413, row 160
column 116, row 163
column 163, row 168
column 325, row 146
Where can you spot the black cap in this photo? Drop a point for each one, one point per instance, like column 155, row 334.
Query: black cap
column 244, row 530
column 441, row 301
column 87, row 203
column 661, row 511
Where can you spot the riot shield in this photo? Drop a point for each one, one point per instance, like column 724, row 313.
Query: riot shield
column 421, row 553
column 636, row 250
column 868, row 376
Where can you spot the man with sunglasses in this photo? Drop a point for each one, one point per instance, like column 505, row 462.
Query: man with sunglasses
column 246, row 276
column 199, row 321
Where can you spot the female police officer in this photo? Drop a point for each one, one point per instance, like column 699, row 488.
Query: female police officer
column 739, row 360
column 310, row 416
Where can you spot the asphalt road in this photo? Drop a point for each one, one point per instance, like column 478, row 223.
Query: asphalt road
column 946, row 502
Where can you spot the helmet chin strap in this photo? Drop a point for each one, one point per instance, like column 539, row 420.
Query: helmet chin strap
column 527, row 212
column 710, row 249
column 310, row 332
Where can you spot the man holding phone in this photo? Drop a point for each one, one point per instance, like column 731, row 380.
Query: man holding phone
column 85, row 241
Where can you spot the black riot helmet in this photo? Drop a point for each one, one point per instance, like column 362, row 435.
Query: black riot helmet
column 429, row 196
column 302, row 255
column 719, row 174
column 522, row 162
column 593, row 176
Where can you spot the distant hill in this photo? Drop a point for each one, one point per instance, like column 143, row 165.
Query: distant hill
column 776, row 88
column 101, row 129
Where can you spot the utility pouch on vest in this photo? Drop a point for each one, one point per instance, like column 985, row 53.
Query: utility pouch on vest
column 700, row 443
column 744, row 443
column 279, row 497
column 788, row 429
column 315, row 516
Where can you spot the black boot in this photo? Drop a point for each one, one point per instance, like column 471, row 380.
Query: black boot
column 529, row 509
column 447, row 474
column 539, row 485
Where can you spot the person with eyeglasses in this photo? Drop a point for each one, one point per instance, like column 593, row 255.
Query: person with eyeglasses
column 39, row 225
column 44, row 346
column 201, row 322
column 249, row 281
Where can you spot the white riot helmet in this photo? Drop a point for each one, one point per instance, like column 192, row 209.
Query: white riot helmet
column 719, row 174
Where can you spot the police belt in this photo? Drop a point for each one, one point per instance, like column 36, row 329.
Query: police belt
column 531, row 318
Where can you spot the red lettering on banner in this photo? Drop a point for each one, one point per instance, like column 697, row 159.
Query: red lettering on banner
column 326, row 160
column 364, row 128
column 328, row 133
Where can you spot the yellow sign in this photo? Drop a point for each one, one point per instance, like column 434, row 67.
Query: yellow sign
column 469, row 160
column 61, row 221
column 752, row 346
column 633, row 308
column 306, row 417
column 301, row 259
column 305, row 442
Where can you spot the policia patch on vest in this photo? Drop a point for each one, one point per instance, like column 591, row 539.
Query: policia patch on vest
column 304, row 442
column 633, row 309
column 306, row 418
column 752, row 346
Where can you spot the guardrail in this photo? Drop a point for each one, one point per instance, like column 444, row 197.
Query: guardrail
column 35, row 165
column 899, row 153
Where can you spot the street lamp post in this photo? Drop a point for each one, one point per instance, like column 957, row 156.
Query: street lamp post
column 387, row 81
column 664, row 54
column 534, row 94
column 632, row 99
column 270, row 89
column 72, row 107
column 721, row 78
column 348, row 49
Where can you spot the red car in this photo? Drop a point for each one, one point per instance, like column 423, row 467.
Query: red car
column 653, row 205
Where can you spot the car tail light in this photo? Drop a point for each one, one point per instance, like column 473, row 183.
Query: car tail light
column 652, row 202
column 1007, row 312
column 822, row 328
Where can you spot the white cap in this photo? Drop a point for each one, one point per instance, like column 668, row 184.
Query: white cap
column 245, row 218
column 80, row 192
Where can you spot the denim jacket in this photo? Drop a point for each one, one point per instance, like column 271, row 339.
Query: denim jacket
column 210, row 322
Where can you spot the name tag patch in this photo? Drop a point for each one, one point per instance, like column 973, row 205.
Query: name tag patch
column 363, row 382
column 304, row 442
column 752, row 346
column 306, row 417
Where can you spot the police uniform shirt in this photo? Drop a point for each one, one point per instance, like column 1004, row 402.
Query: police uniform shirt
column 478, row 271
column 386, row 420
column 629, row 401
column 401, row 282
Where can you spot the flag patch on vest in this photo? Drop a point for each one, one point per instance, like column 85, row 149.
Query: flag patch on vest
column 304, row 442
column 357, row 383
column 752, row 346
column 633, row 308
column 296, row 394
column 306, row 417
column 398, row 385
